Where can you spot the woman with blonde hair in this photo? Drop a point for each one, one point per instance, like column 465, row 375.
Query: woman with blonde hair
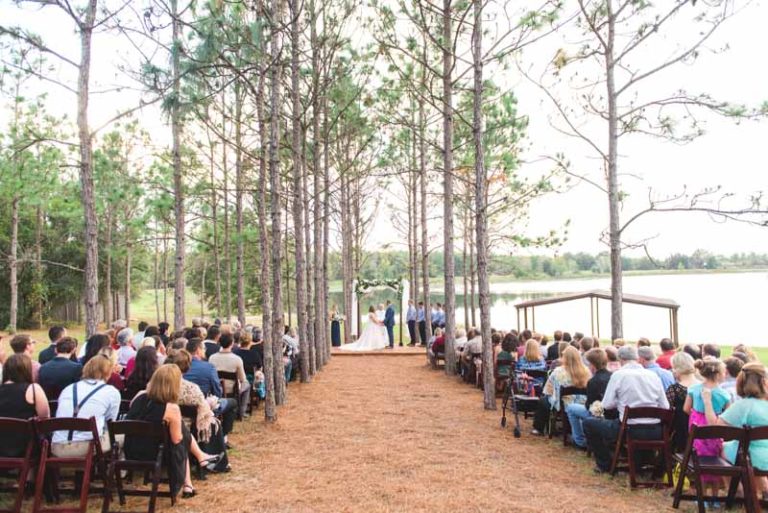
column 572, row 372
column 159, row 404
column 531, row 359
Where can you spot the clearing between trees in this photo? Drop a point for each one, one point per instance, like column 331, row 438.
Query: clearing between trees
column 388, row 434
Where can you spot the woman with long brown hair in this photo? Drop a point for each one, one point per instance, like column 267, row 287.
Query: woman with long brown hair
column 572, row 372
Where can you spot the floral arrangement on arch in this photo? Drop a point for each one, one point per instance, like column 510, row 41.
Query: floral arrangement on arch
column 363, row 285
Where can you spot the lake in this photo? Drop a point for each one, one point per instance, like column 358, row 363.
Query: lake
column 725, row 308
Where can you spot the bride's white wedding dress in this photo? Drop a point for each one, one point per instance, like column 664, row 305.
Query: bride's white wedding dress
column 373, row 337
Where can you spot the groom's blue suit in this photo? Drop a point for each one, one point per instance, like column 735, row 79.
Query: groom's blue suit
column 389, row 322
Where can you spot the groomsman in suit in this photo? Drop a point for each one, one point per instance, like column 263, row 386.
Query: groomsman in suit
column 389, row 323
column 422, row 319
column 412, row 318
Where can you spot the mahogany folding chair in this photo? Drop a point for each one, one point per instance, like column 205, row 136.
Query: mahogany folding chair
column 235, row 393
column 626, row 442
column 560, row 416
column 17, row 428
column 754, row 434
column 694, row 466
column 151, row 433
column 90, row 466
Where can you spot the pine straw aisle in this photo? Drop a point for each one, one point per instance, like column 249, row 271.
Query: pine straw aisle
column 389, row 434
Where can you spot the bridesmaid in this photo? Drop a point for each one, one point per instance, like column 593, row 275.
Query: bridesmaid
column 335, row 327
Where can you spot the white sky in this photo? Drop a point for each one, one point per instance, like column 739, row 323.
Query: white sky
column 731, row 155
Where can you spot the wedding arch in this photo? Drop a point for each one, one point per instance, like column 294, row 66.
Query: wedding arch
column 361, row 286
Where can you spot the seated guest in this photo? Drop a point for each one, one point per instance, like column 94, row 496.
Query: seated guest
column 557, row 363
column 94, row 398
column 631, row 386
column 512, row 342
column 126, row 350
column 553, row 350
column 505, row 362
column 684, row 370
column 139, row 336
column 250, row 354
column 459, row 343
column 61, row 371
column 732, row 368
column 693, row 350
column 751, row 411
column 153, row 342
column 162, row 329
column 116, row 380
column 495, row 344
column 227, row 361
column 437, row 346
column 667, row 352
column 749, row 355
column 712, row 350
column 643, row 342
column 619, row 342
column 571, row 373
column 524, row 337
column 159, row 404
column 612, row 353
column 146, row 365
column 531, row 359
column 24, row 344
column 210, row 434
column 585, row 344
column 55, row 333
column 647, row 358
column 212, row 342
column 204, row 375
column 20, row 398
column 94, row 344
column 596, row 386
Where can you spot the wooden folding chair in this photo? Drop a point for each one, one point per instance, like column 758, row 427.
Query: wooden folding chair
column 254, row 401
column 235, row 393
column 755, row 502
column 560, row 416
column 92, row 465
column 23, row 463
column 693, row 466
column 152, row 469
column 631, row 445
column 190, row 413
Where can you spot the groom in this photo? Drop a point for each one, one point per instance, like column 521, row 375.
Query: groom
column 389, row 322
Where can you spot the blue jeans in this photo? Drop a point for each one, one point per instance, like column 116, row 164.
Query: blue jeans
column 576, row 413
column 288, row 369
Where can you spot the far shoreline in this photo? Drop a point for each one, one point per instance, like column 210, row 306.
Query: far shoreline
column 437, row 282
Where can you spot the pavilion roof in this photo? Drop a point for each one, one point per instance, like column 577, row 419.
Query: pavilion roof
column 601, row 294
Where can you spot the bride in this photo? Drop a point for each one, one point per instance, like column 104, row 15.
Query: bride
column 373, row 337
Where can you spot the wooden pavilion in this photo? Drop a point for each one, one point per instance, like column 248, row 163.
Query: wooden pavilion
column 594, row 297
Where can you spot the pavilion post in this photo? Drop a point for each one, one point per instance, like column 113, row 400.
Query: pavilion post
column 525, row 317
column 597, row 316
column 592, row 313
column 533, row 318
column 518, row 318
column 675, row 334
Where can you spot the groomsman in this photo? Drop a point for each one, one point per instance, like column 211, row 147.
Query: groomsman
column 411, row 317
column 435, row 317
column 422, row 320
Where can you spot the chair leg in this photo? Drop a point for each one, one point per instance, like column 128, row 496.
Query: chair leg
column 617, row 452
column 153, row 493
column 108, row 485
column 40, row 480
column 732, row 487
column 23, row 472
column 86, row 484
column 679, row 487
column 631, row 464
column 668, row 463
column 119, row 485
column 699, row 492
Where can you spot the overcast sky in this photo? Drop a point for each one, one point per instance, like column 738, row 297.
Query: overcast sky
column 731, row 155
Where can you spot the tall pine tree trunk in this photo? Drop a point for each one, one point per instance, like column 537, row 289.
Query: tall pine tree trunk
column 274, row 174
column 270, row 411
column 320, row 314
column 298, row 204
column 108, row 270
column 239, row 185
column 215, row 223
column 424, row 232
column 179, row 319
column 127, row 290
column 91, row 294
column 227, row 264
column 617, row 294
column 481, row 214
column 450, row 271
column 13, row 264
column 326, row 228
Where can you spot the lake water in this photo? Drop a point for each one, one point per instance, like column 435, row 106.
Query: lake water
column 726, row 308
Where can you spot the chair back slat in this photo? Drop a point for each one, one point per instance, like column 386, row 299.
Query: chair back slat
column 140, row 428
column 726, row 433
column 46, row 427
column 757, row 433
column 648, row 412
column 12, row 426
